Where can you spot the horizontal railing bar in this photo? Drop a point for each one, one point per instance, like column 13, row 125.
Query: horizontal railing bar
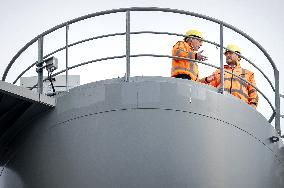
column 176, row 57
column 97, row 60
column 135, row 9
column 155, row 55
column 175, row 34
column 70, row 45
column 102, row 36
column 250, row 62
column 254, row 42
column 82, row 41
column 141, row 32
column 22, row 73
column 98, row 37
column 270, row 83
column 254, row 88
column 210, row 42
column 56, row 28
column 201, row 62
column 78, row 65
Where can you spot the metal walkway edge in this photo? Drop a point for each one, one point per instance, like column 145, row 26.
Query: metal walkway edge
column 24, row 94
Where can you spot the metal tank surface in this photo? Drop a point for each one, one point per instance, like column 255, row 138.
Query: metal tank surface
column 148, row 132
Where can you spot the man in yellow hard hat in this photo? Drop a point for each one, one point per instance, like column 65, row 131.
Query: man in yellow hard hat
column 233, row 84
column 186, row 69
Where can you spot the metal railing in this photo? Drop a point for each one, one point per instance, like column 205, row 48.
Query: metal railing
column 39, row 63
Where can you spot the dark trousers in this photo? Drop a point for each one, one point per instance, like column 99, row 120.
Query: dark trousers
column 183, row 76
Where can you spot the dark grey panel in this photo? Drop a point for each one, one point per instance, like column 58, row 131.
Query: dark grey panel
column 15, row 101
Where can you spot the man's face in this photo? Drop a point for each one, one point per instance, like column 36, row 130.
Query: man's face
column 232, row 58
column 195, row 43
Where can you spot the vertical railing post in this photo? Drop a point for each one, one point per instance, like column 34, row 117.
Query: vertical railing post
column 221, row 89
column 127, row 75
column 277, row 102
column 39, row 66
column 66, row 50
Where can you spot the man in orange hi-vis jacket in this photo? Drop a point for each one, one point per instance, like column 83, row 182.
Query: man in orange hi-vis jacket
column 186, row 69
column 233, row 84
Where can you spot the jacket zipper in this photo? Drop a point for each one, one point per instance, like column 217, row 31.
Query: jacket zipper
column 231, row 81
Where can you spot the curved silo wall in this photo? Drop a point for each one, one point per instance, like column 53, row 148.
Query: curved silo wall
column 149, row 132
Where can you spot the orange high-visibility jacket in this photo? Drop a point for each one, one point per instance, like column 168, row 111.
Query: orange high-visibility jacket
column 182, row 66
column 236, row 86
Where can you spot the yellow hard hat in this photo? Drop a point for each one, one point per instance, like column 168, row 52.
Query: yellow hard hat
column 194, row 33
column 233, row 48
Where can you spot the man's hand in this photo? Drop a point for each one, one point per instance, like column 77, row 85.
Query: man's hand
column 200, row 57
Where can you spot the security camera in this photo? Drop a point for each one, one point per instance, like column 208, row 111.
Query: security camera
column 51, row 64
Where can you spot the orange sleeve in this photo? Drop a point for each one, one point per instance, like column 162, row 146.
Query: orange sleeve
column 252, row 92
column 214, row 82
column 180, row 50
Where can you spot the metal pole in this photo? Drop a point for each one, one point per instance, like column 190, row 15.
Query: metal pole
column 221, row 89
column 66, row 50
column 277, row 102
column 39, row 66
column 127, row 46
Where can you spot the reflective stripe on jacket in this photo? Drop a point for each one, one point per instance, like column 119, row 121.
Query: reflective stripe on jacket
column 236, row 86
column 182, row 66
